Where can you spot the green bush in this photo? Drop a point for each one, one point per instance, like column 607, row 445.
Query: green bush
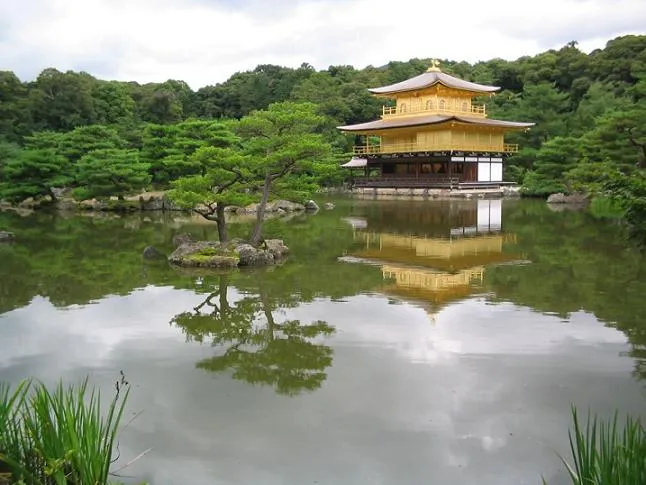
column 538, row 185
column 589, row 177
column 629, row 192
column 605, row 208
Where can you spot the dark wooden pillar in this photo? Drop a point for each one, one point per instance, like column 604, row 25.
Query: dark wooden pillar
column 417, row 168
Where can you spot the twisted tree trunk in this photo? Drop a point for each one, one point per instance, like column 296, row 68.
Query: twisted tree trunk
column 221, row 222
column 256, row 234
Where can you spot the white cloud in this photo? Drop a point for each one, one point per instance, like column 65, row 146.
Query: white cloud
column 205, row 42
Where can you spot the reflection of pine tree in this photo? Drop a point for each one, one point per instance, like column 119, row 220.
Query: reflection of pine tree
column 260, row 350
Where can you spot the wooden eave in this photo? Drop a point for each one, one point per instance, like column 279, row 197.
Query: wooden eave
column 381, row 125
column 429, row 79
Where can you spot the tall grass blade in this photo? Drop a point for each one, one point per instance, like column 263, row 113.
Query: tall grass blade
column 58, row 437
column 604, row 454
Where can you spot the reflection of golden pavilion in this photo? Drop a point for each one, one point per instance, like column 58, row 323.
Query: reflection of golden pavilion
column 436, row 270
column 431, row 280
column 431, row 286
column 449, row 254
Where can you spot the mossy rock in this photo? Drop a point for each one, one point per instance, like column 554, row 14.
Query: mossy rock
column 211, row 261
column 204, row 254
column 212, row 254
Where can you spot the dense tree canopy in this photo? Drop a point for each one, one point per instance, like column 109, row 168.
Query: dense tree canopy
column 33, row 173
column 588, row 109
column 111, row 172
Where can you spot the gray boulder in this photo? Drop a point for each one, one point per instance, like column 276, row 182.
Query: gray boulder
column 561, row 198
column 60, row 192
column 511, row 191
column 556, row 198
column 6, row 236
column 67, row 205
column 151, row 203
column 310, row 205
column 250, row 209
column 28, row 203
column 329, row 206
column 277, row 206
column 89, row 204
column 285, row 205
column 251, row 256
column 151, row 252
column 277, row 248
column 179, row 239
column 157, row 203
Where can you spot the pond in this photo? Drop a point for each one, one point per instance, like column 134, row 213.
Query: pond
column 402, row 342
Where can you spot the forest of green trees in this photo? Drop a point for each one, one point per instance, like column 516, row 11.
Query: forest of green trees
column 109, row 138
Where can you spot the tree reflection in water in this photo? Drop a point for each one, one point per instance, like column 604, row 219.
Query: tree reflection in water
column 259, row 350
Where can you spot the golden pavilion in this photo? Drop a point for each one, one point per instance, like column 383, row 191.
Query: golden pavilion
column 435, row 135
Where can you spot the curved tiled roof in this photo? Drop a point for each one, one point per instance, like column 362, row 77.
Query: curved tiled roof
column 430, row 78
column 430, row 120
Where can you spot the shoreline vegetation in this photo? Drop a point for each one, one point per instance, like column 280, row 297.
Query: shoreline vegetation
column 605, row 451
column 270, row 132
column 62, row 436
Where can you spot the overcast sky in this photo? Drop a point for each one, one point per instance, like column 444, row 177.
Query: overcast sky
column 205, row 41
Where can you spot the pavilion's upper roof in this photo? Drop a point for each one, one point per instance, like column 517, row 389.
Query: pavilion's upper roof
column 433, row 119
column 430, row 78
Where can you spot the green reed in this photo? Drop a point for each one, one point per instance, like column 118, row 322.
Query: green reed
column 606, row 453
column 59, row 437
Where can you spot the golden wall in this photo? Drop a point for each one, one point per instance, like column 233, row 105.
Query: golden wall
column 475, row 136
column 443, row 137
column 436, row 98
column 433, row 138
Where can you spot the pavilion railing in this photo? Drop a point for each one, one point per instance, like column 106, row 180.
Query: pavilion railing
column 408, row 182
column 474, row 110
column 419, row 147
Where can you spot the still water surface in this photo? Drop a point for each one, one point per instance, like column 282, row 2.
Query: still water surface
column 402, row 342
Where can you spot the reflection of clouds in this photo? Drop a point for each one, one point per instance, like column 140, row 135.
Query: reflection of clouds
column 483, row 396
column 471, row 327
column 500, row 383
column 88, row 334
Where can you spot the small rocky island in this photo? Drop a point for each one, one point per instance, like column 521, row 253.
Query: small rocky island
column 234, row 253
